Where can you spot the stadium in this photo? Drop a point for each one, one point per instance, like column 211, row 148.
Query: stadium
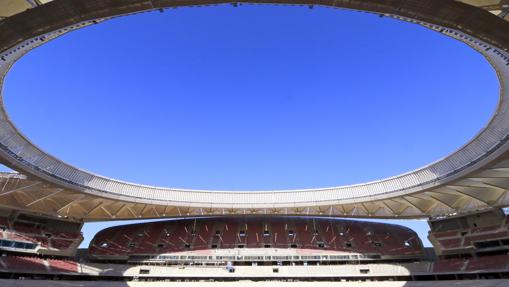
column 301, row 237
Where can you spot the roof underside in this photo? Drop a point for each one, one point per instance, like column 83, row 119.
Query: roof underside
column 12, row 7
column 486, row 187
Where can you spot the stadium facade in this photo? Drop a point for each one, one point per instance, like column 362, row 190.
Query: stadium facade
column 282, row 234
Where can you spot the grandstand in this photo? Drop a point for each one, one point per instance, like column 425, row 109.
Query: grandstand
column 257, row 248
column 30, row 234
column 367, row 240
column 281, row 235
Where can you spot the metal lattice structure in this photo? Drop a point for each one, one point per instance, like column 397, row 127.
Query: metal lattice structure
column 474, row 177
column 12, row 7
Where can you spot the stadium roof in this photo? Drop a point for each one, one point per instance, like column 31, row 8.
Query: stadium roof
column 12, row 7
column 474, row 177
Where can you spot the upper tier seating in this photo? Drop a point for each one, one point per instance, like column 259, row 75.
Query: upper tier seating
column 46, row 234
column 255, row 232
column 471, row 233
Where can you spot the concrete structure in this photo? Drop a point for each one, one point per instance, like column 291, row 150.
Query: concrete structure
column 473, row 283
column 475, row 177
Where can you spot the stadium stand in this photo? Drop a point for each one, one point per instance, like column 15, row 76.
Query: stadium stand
column 469, row 246
column 472, row 283
column 494, row 262
column 385, row 240
column 450, row 265
column 250, row 248
column 36, row 235
column 497, row 265
column 480, row 232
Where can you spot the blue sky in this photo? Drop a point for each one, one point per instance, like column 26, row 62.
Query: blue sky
column 250, row 98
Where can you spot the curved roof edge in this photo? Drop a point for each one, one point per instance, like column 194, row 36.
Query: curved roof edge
column 480, row 30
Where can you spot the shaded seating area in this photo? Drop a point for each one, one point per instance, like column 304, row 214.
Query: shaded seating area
column 181, row 235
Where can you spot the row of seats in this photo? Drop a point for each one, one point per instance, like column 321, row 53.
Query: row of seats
column 491, row 262
column 264, row 232
column 36, row 264
column 456, row 265
column 52, row 230
column 473, row 237
column 52, row 235
column 42, row 240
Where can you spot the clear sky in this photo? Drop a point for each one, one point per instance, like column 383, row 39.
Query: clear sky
column 253, row 97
